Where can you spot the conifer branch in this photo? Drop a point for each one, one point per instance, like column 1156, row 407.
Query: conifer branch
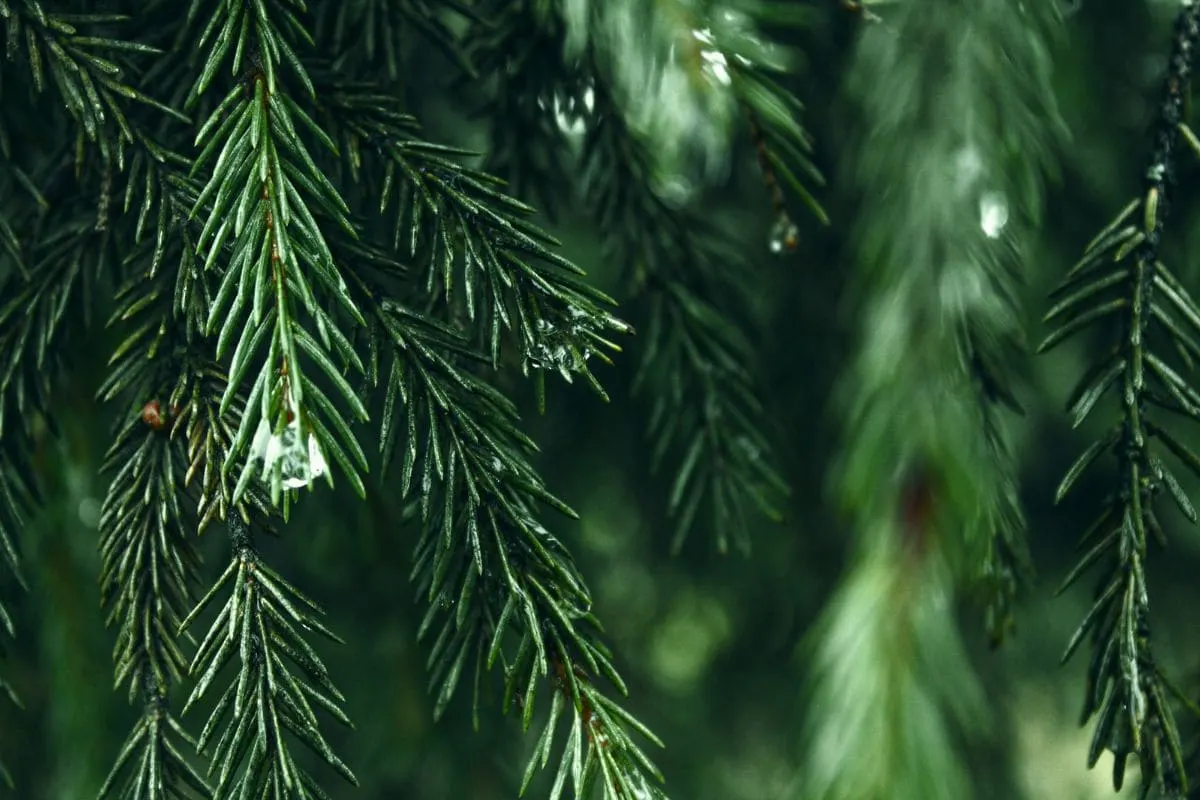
column 17, row 489
column 12, row 503
column 260, row 198
column 651, row 56
column 62, row 254
column 173, row 306
column 528, row 83
column 150, row 564
column 1005, row 565
column 490, row 571
column 371, row 32
column 962, row 272
column 34, row 311
column 1121, row 279
column 248, row 244
column 696, row 361
column 174, row 433
column 460, row 222
column 280, row 678
column 785, row 148
column 679, row 74
column 90, row 85
column 149, row 560
column 158, row 182
column 16, row 496
column 888, row 646
column 162, row 771
column 693, row 287
column 944, row 219
column 13, row 185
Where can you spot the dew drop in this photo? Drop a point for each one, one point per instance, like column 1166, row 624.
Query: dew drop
column 993, row 214
column 571, row 110
column 712, row 60
column 785, row 236
column 675, row 189
column 295, row 455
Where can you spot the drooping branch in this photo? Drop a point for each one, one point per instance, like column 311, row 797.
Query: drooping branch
column 280, row 680
column 492, row 574
column 1121, row 279
column 282, row 304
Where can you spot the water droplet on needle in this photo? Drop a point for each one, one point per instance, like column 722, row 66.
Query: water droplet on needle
column 785, row 236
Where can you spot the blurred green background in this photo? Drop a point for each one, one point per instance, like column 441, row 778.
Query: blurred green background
column 707, row 643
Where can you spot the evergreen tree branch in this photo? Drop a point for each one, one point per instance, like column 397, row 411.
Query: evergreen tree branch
column 162, row 772
column 1121, row 279
column 167, row 343
column 693, row 287
column 139, row 542
column 370, row 33
column 472, row 234
column 13, row 501
column 90, row 85
column 678, row 73
column 280, row 678
column 17, row 490
column 149, row 560
column 62, row 253
column 737, row 53
column 491, row 572
column 1006, row 564
column 963, row 272
column 17, row 494
column 260, row 198
column 18, row 194
column 65, row 254
column 651, row 55
column 888, row 640
column 926, row 478
column 150, row 564
column 696, row 362
column 175, row 309
column 519, row 50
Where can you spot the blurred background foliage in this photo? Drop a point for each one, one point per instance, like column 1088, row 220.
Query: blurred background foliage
column 709, row 644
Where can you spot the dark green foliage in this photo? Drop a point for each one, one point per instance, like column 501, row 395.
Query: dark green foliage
column 150, row 568
column 280, row 678
column 924, row 474
column 1122, row 279
column 486, row 565
column 160, row 764
column 471, row 234
column 42, row 299
column 257, row 315
column 372, row 33
column 519, row 57
column 1006, row 564
column 691, row 292
column 253, row 244
column 282, row 291
column 88, row 84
